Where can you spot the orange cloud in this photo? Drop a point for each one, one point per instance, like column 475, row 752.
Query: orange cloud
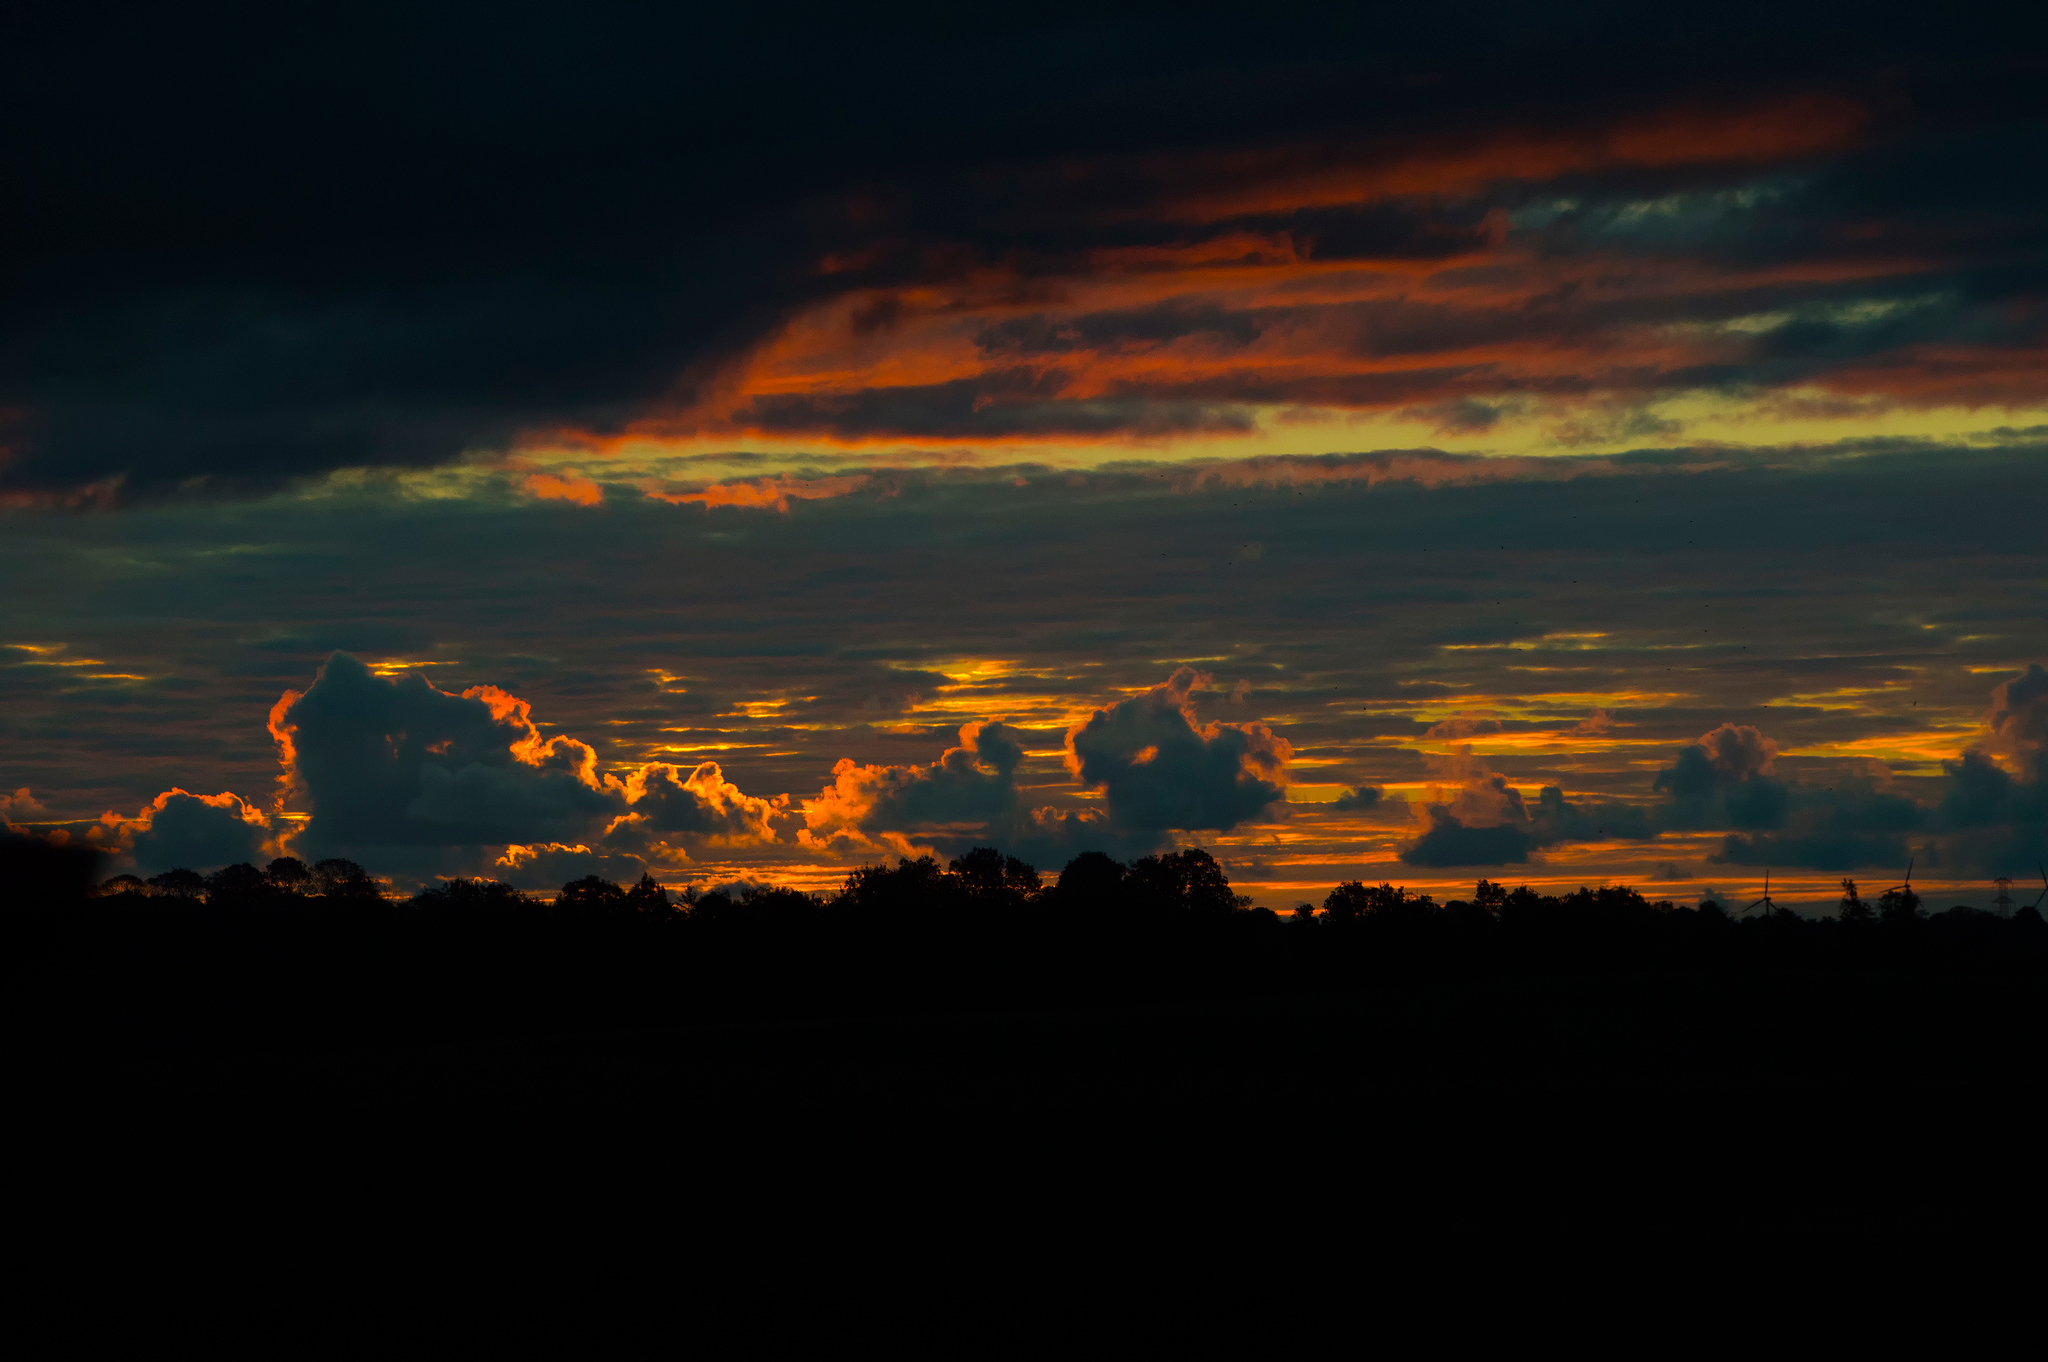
column 182, row 828
column 582, row 491
column 20, row 803
column 770, row 492
column 1277, row 181
column 663, row 799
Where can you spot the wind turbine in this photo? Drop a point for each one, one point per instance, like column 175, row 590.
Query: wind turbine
column 1764, row 902
column 2043, row 895
column 1903, row 893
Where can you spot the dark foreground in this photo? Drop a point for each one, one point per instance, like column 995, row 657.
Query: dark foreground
column 1792, row 1061
column 932, row 1001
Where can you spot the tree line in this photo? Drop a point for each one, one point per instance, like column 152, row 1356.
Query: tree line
column 1188, row 883
column 321, row 950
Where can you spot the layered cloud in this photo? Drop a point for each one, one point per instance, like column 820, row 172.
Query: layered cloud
column 1853, row 604
column 1561, row 238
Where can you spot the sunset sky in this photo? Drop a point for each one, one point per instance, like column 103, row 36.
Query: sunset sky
column 1605, row 446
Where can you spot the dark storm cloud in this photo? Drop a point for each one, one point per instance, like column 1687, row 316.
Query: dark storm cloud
column 248, row 245
column 1039, row 334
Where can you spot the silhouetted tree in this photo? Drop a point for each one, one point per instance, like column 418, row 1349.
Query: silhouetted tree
column 337, row 878
column 1352, row 900
column 1853, row 909
column 1187, row 881
column 1091, row 877
column 470, row 895
column 592, row 893
column 712, row 908
column 985, row 870
column 180, row 883
column 916, row 889
column 970, row 933
column 648, row 896
column 37, row 873
column 237, row 883
column 289, row 875
column 122, row 884
column 1898, row 907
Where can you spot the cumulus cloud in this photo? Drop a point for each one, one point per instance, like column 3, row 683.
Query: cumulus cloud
column 1159, row 769
column 399, row 772
column 2017, row 724
column 702, row 803
column 972, row 784
column 194, row 832
column 398, row 763
column 1995, row 809
column 1483, row 820
column 1050, row 837
column 1726, row 781
column 551, row 865
column 1722, row 781
column 1450, row 842
column 18, row 805
column 1362, row 797
column 1990, row 817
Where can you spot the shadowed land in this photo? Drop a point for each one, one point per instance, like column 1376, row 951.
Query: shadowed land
column 976, row 992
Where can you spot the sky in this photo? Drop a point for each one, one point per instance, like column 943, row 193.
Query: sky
column 1559, row 447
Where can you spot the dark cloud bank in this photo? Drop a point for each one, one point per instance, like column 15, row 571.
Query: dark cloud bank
column 249, row 246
